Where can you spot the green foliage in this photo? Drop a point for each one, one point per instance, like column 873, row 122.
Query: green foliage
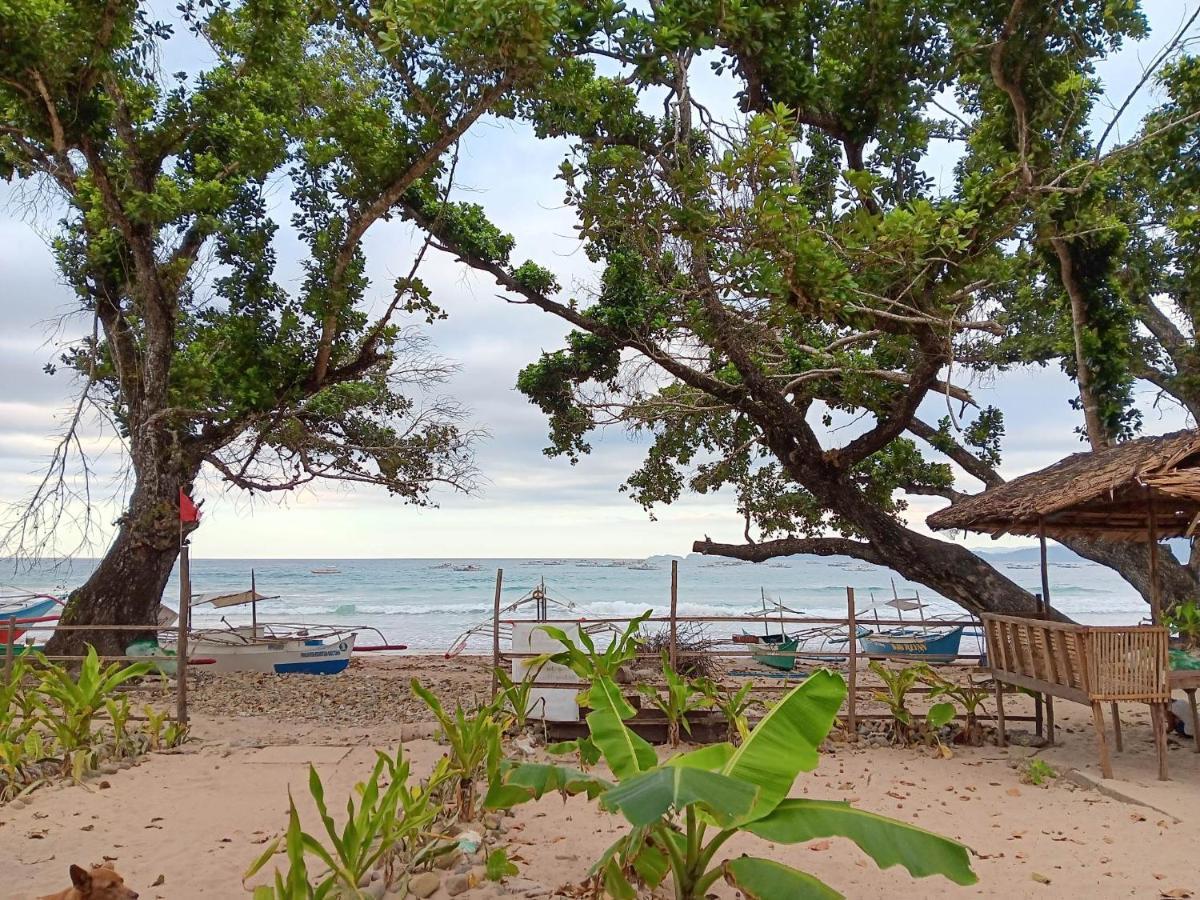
column 682, row 697
column 392, row 818
column 1184, row 619
column 57, row 722
column 682, row 811
column 514, row 695
column 896, row 685
column 498, row 866
column 590, row 663
column 473, row 737
column 734, row 705
column 969, row 696
column 1037, row 772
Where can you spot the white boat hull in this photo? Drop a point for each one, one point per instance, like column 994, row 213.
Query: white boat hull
column 281, row 657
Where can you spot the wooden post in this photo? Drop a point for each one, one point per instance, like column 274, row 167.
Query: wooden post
column 496, row 631
column 852, row 662
column 184, row 623
column 253, row 607
column 1045, row 596
column 1118, row 740
column 1158, row 720
column 1102, row 739
column 1155, row 597
column 1001, row 736
column 1044, row 609
column 10, row 648
column 1191, row 695
column 674, row 648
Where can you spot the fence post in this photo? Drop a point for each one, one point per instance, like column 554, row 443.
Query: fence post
column 9, row 647
column 181, row 645
column 674, row 648
column 852, row 675
column 496, row 631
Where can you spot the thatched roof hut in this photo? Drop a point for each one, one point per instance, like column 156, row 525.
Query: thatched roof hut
column 1146, row 489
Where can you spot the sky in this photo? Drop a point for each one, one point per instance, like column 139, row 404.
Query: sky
column 528, row 504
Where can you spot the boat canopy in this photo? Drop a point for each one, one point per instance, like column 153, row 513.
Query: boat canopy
column 221, row 599
column 904, row 604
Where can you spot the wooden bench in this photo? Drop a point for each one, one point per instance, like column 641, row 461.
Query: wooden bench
column 1088, row 664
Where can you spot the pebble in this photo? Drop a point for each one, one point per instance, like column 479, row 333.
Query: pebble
column 424, row 884
column 457, row 884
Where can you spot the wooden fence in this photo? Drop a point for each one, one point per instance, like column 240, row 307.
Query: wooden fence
column 849, row 660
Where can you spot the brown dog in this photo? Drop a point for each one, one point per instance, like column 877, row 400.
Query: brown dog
column 101, row 883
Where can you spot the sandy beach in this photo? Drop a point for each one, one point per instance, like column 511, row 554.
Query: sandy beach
column 187, row 823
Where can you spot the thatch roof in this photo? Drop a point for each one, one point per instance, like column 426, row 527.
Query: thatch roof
column 1106, row 493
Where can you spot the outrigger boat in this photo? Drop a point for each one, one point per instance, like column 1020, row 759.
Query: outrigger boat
column 19, row 611
column 925, row 641
column 292, row 648
column 778, row 650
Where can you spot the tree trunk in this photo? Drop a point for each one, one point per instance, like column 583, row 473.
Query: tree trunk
column 127, row 587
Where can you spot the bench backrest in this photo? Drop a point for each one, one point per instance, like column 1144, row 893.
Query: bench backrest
column 1079, row 662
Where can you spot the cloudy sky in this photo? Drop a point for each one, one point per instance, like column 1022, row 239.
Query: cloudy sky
column 529, row 505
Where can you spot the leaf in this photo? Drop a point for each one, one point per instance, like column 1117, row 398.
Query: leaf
column 532, row 781
column 785, row 741
column 498, row 867
column 712, row 758
column 887, row 841
column 646, row 798
column 626, row 753
column 939, row 714
column 765, row 879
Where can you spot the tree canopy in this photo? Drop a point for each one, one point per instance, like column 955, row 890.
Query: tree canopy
column 788, row 292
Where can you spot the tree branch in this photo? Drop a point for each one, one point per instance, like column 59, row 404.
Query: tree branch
column 761, row 552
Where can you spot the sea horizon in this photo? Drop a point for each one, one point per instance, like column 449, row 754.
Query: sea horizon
column 426, row 602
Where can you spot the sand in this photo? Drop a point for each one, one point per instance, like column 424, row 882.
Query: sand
column 187, row 823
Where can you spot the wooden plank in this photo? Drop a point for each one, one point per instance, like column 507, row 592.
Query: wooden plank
column 1033, row 684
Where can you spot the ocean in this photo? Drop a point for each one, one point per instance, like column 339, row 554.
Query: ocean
column 426, row 603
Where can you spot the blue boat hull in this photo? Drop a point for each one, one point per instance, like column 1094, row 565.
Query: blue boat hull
column 924, row 644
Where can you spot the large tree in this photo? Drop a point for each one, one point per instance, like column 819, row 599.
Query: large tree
column 202, row 354
column 788, row 294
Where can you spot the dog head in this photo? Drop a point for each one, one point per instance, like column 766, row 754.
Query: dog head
column 100, row 883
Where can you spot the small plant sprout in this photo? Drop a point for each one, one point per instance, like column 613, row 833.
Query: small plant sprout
column 1038, row 772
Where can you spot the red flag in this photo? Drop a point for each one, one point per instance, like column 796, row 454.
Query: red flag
column 188, row 511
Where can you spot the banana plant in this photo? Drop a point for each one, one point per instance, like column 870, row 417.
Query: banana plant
column 589, row 663
column 474, row 739
column 896, row 685
column 682, row 697
column 681, row 812
column 970, row 697
column 733, row 705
